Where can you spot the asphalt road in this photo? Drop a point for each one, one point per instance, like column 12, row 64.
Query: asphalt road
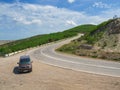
column 48, row 55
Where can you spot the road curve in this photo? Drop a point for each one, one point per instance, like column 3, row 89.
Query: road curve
column 48, row 55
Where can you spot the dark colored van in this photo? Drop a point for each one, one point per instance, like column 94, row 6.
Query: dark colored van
column 25, row 64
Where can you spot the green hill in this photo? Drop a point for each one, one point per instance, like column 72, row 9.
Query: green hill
column 43, row 39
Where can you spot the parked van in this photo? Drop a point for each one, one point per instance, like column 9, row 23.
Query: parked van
column 25, row 64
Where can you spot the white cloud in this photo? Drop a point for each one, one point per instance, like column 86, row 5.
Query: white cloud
column 71, row 22
column 101, row 5
column 35, row 21
column 71, row 1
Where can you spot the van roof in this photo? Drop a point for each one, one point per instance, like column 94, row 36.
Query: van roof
column 25, row 56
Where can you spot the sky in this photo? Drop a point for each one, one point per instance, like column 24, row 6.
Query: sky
column 25, row 18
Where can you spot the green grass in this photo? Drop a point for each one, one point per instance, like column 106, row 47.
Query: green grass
column 69, row 48
column 82, row 29
column 43, row 39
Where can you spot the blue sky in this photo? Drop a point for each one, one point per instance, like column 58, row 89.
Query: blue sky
column 25, row 18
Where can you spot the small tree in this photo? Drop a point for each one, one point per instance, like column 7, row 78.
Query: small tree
column 115, row 16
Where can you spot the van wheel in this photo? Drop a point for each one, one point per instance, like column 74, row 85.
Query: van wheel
column 30, row 70
column 19, row 71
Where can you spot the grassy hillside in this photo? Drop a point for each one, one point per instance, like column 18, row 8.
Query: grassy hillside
column 42, row 39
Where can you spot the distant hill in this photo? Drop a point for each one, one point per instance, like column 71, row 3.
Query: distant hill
column 101, row 42
column 4, row 41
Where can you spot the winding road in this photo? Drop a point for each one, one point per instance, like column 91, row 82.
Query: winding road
column 48, row 55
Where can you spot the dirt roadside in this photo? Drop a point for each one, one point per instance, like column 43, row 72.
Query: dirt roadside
column 46, row 77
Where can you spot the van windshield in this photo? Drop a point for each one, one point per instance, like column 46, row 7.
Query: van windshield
column 25, row 61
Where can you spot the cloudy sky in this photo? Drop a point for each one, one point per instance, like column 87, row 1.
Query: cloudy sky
column 25, row 18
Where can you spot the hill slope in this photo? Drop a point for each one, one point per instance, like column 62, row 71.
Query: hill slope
column 102, row 42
